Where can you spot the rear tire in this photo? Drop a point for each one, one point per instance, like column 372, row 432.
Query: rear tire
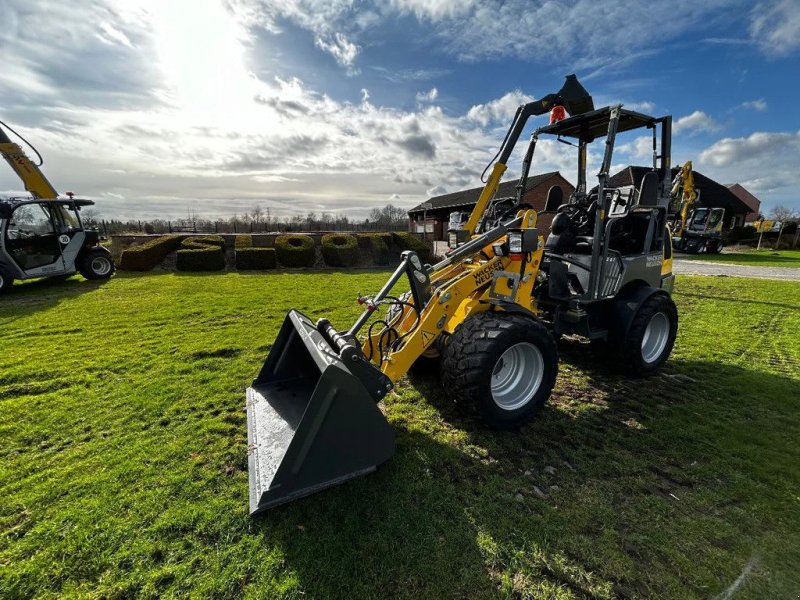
column 650, row 337
column 503, row 363
column 6, row 281
column 96, row 264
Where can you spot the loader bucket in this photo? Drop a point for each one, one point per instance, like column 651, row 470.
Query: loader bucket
column 311, row 423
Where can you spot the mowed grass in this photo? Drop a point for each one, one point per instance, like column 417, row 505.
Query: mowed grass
column 123, row 469
column 756, row 258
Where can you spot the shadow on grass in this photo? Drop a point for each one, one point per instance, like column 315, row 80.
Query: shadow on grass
column 578, row 500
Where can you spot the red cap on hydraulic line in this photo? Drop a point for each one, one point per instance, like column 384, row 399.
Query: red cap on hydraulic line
column 558, row 113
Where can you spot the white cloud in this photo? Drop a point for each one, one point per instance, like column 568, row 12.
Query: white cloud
column 639, row 148
column 759, row 105
column 697, row 121
column 775, row 26
column 434, row 9
column 645, row 106
column 428, row 96
column 500, row 110
column 342, row 49
column 763, row 162
column 754, row 148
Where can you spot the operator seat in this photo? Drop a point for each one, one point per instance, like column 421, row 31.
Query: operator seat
column 648, row 190
column 562, row 237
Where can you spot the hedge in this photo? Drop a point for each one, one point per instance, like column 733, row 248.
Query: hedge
column 150, row 254
column 295, row 250
column 251, row 258
column 340, row 250
column 202, row 253
column 741, row 234
column 379, row 243
column 407, row 241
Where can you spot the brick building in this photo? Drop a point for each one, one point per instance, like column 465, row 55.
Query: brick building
column 438, row 215
column 751, row 201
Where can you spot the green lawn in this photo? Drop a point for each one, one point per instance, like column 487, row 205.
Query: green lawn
column 756, row 258
column 123, row 469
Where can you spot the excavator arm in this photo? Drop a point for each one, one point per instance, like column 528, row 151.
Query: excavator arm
column 575, row 100
column 685, row 195
column 34, row 180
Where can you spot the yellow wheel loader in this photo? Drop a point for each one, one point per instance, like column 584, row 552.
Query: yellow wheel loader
column 489, row 312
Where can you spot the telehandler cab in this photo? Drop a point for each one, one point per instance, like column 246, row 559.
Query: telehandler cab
column 42, row 235
column 489, row 312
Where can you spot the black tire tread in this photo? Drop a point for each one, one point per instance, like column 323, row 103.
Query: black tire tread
column 85, row 268
column 630, row 350
column 472, row 352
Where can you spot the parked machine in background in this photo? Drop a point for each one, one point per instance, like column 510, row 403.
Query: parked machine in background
column 42, row 235
column 489, row 313
column 695, row 229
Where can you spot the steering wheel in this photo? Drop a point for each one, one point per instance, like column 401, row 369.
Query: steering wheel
column 579, row 215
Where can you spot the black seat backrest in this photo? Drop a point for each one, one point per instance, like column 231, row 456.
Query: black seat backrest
column 555, row 198
column 648, row 190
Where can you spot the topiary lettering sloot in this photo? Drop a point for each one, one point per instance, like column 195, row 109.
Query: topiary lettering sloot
column 202, row 253
column 249, row 257
column 295, row 251
column 340, row 250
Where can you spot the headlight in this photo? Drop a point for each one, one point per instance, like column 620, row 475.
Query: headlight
column 452, row 240
column 515, row 243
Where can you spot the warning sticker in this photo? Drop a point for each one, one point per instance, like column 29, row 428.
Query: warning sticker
column 427, row 337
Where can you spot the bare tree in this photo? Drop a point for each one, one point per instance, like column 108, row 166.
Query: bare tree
column 783, row 213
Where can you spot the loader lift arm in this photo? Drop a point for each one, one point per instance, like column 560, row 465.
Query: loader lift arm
column 32, row 177
column 575, row 100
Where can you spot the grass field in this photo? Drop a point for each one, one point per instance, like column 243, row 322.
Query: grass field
column 123, row 469
column 756, row 258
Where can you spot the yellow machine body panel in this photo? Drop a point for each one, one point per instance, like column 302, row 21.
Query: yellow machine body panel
column 34, row 180
column 461, row 290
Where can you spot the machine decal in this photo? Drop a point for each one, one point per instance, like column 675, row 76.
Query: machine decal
column 486, row 274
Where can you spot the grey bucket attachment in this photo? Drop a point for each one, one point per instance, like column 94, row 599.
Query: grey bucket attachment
column 312, row 415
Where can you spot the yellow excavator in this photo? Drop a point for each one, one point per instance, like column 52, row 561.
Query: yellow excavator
column 488, row 313
column 695, row 229
column 41, row 235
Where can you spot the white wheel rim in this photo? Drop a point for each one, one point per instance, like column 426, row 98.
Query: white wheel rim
column 517, row 375
column 655, row 337
column 101, row 265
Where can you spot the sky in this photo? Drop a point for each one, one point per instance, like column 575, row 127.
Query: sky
column 158, row 108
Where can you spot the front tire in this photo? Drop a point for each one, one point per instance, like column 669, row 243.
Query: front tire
column 503, row 363
column 96, row 264
column 651, row 336
column 6, row 281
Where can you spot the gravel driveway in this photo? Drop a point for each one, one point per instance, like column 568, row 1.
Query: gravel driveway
column 696, row 267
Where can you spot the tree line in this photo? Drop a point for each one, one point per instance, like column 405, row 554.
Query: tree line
column 258, row 220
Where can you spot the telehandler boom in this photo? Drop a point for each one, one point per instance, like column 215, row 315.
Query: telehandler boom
column 489, row 313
